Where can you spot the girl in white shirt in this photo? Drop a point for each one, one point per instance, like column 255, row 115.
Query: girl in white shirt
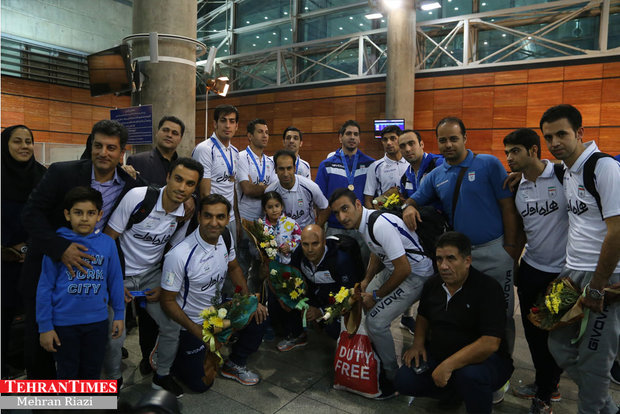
column 285, row 229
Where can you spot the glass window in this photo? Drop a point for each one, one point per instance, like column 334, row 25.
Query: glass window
column 338, row 24
column 438, row 58
column 260, row 11
column 582, row 33
column 488, row 5
column 212, row 26
column 311, row 5
column 222, row 50
column 264, row 39
column 614, row 31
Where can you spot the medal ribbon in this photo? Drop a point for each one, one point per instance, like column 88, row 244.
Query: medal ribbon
column 261, row 174
column 229, row 165
column 350, row 173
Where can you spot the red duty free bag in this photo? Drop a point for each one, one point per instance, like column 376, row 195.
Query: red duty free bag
column 356, row 366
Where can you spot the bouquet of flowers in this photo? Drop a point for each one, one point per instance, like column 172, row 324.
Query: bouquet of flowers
column 288, row 284
column 219, row 322
column 341, row 303
column 559, row 307
column 390, row 200
column 262, row 237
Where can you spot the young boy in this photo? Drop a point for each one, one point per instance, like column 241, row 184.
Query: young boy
column 72, row 312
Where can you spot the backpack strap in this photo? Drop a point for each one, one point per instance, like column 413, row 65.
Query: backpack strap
column 371, row 223
column 589, row 177
column 144, row 208
column 227, row 239
column 558, row 170
column 457, row 189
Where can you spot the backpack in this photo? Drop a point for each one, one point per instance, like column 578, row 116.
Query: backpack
column 433, row 225
column 350, row 246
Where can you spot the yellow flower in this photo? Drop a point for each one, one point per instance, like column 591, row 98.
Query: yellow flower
column 217, row 322
column 294, row 294
column 342, row 295
column 298, row 282
column 548, row 303
column 283, row 284
column 263, row 244
column 301, row 291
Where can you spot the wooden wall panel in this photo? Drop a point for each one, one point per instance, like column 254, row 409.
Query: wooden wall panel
column 55, row 113
column 491, row 105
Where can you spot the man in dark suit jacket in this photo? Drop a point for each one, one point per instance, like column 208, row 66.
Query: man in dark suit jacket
column 43, row 215
column 152, row 166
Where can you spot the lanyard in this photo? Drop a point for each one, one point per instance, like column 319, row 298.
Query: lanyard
column 261, row 174
column 297, row 165
column 229, row 165
column 350, row 173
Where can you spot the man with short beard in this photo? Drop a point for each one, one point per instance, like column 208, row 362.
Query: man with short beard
column 420, row 162
column 292, row 140
column 385, row 173
column 592, row 257
column 347, row 168
column 43, row 214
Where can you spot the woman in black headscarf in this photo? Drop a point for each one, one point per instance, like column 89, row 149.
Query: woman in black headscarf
column 20, row 174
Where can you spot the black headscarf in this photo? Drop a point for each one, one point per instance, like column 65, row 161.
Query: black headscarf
column 18, row 178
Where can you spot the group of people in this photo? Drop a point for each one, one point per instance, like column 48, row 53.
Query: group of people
column 180, row 247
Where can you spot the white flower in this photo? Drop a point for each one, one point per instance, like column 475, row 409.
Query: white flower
column 222, row 312
column 375, row 202
column 273, row 243
column 260, row 221
column 274, row 272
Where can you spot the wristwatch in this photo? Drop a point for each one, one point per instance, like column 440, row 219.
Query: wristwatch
column 404, row 206
column 375, row 297
column 595, row 293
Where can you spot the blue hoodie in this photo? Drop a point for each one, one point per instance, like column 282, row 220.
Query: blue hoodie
column 63, row 300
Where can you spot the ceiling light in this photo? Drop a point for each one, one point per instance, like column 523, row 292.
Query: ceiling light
column 393, row 4
column 373, row 16
column 431, row 5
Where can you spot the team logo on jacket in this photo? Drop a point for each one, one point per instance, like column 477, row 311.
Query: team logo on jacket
column 471, row 176
column 552, row 191
column 581, row 191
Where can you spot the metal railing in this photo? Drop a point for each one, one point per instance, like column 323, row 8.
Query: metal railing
column 530, row 33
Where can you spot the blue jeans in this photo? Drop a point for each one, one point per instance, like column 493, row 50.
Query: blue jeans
column 80, row 355
column 474, row 383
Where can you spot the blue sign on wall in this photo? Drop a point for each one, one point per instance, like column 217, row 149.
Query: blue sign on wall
column 139, row 122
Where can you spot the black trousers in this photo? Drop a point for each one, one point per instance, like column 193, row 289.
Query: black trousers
column 532, row 284
column 39, row 363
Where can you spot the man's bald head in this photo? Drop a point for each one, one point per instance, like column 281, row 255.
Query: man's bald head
column 313, row 229
column 313, row 243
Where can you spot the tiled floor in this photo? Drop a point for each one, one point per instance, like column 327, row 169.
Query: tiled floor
column 300, row 381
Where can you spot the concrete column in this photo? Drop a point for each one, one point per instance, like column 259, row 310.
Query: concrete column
column 169, row 86
column 401, row 53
